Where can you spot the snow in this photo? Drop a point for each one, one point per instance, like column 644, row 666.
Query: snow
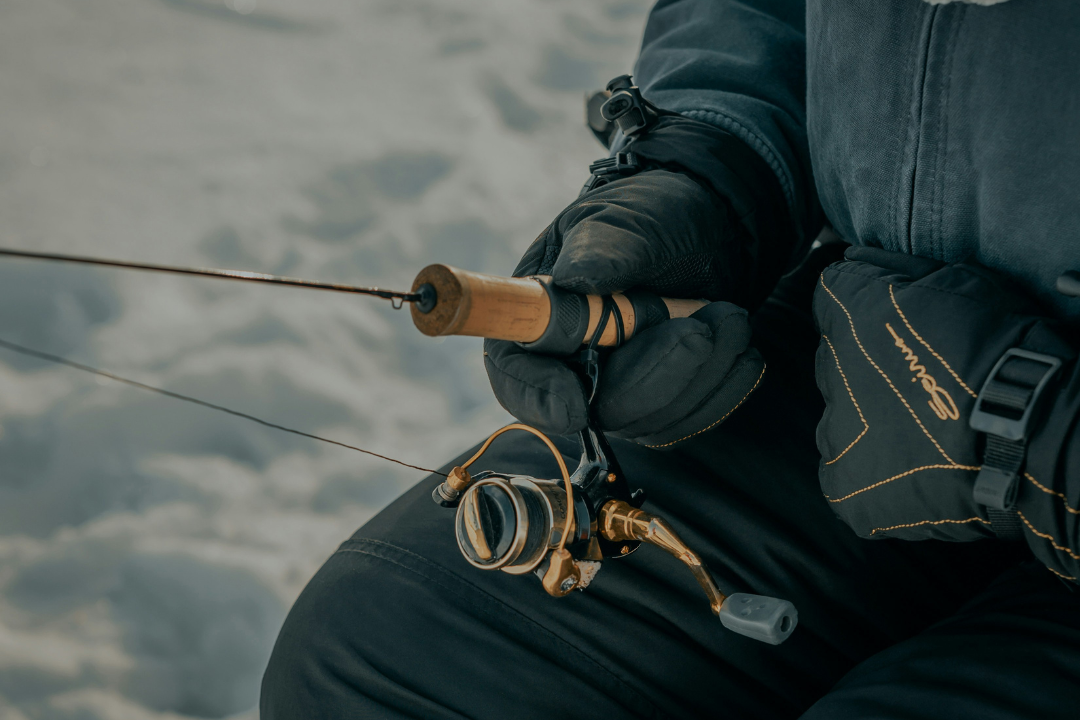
column 149, row 549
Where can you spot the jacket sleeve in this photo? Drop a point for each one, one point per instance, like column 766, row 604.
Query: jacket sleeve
column 739, row 66
column 1048, row 497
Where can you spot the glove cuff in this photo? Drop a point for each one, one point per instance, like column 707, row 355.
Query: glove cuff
column 720, row 161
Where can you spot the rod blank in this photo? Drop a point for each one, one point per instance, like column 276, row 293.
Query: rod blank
column 215, row 273
column 449, row 301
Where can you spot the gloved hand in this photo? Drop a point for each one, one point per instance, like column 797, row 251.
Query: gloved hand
column 906, row 345
column 706, row 218
column 660, row 231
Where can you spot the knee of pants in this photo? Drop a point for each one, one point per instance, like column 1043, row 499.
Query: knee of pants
column 343, row 650
column 1012, row 653
column 382, row 632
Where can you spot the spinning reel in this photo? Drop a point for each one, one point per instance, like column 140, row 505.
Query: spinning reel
column 563, row 530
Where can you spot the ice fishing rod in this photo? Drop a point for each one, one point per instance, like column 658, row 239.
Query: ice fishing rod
column 561, row 531
column 448, row 301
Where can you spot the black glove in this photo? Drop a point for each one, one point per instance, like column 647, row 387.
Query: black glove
column 706, row 219
column 907, row 344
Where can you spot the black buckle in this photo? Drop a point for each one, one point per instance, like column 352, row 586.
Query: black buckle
column 627, row 108
column 995, row 488
column 623, row 164
column 1003, row 411
column 1004, row 406
column 621, row 105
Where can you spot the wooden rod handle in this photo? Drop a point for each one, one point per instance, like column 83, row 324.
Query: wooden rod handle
column 532, row 311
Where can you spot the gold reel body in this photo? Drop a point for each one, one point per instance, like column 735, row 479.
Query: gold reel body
column 562, row 531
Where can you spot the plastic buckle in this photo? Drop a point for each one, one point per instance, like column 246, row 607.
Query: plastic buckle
column 623, row 163
column 605, row 170
column 995, row 488
column 592, row 183
column 1008, row 426
column 626, row 108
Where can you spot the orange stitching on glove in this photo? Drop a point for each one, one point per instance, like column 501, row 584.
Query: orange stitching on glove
column 918, row 337
column 866, row 425
column 904, row 474
column 1048, row 491
column 882, row 372
column 929, row 522
column 718, row 421
column 938, row 395
column 1047, row 536
column 1060, row 575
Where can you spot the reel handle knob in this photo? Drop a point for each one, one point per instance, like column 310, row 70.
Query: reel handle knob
column 768, row 619
column 531, row 310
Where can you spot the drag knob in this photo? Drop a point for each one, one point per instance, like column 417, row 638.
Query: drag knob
column 486, row 524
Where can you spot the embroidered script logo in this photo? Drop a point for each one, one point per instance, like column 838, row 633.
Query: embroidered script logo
column 940, row 401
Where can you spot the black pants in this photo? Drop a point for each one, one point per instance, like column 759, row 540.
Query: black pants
column 397, row 625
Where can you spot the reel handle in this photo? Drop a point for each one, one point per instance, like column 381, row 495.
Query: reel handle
column 767, row 619
column 531, row 311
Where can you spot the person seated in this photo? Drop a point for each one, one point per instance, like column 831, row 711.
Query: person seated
column 884, row 434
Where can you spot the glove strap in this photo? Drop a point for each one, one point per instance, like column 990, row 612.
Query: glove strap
column 1004, row 411
column 620, row 106
column 604, row 170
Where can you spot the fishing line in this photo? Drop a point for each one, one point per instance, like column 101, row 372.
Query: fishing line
column 168, row 393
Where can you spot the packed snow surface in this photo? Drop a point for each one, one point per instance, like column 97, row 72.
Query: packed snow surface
column 149, row 549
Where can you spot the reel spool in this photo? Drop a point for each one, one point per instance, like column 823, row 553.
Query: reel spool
column 511, row 522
